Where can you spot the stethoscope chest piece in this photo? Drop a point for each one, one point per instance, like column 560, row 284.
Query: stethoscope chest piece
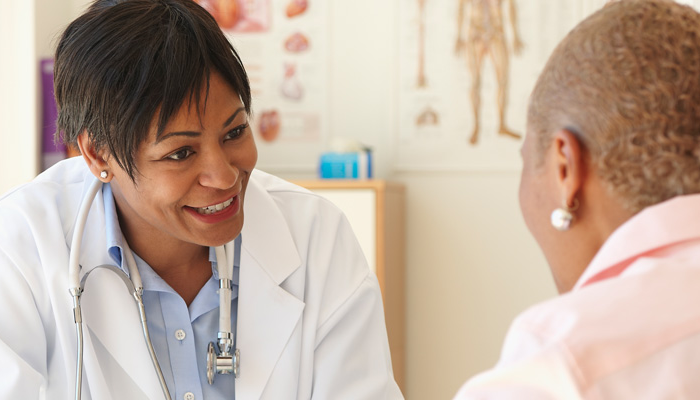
column 223, row 363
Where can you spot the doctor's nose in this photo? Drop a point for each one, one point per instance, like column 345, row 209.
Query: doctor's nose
column 218, row 172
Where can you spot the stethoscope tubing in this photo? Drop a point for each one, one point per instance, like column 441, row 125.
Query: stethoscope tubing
column 73, row 278
column 80, row 221
column 134, row 286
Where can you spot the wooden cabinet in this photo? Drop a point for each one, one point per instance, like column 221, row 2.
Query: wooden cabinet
column 375, row 209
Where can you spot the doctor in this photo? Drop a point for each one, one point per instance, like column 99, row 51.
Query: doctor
column 159, row 104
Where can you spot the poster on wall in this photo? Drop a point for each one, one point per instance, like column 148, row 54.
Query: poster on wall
column 466, row 70
column 284, row 47
column 693, row 3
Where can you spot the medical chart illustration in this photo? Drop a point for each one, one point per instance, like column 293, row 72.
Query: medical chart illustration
column 239, row 15
column 465, row 72
column 484, row 36
column 284, row 45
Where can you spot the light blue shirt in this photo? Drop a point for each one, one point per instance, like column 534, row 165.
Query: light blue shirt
column 180, row 334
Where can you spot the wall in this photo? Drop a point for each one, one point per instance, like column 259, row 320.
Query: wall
column 18, row 153
column 33, row 26
column 471, row 268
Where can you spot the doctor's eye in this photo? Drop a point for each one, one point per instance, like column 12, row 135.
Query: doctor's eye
column 180, row 155
column 237, row 131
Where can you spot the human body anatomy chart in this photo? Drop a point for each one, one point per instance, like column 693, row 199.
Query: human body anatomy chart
column 466, row 70
column 484, row 36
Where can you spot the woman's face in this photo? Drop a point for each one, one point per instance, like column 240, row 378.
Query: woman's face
column 191, row 181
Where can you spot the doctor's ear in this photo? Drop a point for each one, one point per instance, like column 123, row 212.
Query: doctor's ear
column 94, row 158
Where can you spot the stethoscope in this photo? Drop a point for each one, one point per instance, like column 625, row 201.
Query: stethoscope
column 222, row 358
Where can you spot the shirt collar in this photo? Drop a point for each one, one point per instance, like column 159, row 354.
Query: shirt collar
column 653, row 228
column 113, row 232
column 114, row 239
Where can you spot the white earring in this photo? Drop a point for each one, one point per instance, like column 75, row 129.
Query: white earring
column 562, row 217
column 104, row 174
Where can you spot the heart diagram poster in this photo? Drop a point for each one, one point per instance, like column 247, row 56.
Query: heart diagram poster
column 284, row 47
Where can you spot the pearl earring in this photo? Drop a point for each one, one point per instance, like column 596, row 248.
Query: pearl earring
column 562, row 217
column 104, row 174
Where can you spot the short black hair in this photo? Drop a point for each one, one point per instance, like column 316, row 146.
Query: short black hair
column 123, row 61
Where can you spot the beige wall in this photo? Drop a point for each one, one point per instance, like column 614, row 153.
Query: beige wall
column 28, row 32
column 18, row 99
column 471, row 268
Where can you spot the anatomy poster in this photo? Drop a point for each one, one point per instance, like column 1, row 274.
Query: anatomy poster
column 284, row 47
column 466, row 70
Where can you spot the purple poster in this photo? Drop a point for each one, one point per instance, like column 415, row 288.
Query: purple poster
column 51, row 151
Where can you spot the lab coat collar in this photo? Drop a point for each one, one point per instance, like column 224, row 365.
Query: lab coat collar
column 266, row 236
column 653, row 228
column 267, row 314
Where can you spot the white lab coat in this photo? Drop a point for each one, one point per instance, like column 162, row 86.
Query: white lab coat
column 310, row 319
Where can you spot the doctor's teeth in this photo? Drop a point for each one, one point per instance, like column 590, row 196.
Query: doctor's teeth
column 216, row 207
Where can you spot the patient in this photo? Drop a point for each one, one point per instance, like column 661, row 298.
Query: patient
column 609, row 189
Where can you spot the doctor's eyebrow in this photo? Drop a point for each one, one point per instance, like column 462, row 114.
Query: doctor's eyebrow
column 232, row 117
column 179, row 133
column 194, row 133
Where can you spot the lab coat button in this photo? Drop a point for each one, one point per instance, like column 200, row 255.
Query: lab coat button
column 180, row 335
column 189, row 396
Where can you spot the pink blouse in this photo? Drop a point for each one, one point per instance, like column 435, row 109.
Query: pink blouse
column 630, row 328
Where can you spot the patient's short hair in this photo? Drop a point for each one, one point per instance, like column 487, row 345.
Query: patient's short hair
column 126, row 64
column 627, row 82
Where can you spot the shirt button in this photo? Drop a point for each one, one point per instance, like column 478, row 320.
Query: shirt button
column 189, row 396
column 180, row 335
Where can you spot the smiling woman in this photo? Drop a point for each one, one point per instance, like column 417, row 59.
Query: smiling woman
column 158, row 102
column 198, row 162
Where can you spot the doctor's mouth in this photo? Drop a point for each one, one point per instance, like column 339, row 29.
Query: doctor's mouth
column 217, row 212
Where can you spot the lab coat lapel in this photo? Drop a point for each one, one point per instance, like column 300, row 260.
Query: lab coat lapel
column 111, row 322
column 267, row 318
column 115, row 336
column 268, row 314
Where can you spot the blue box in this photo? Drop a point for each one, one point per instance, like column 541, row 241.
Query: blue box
column 356, row 165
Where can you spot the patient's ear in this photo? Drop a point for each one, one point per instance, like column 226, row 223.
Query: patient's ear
column 570, row 164
column 94, row 158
